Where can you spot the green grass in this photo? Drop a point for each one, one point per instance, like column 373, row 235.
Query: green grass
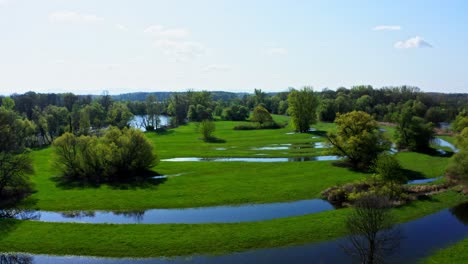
column 181, row 239
column 212, row 183
column 457, row 253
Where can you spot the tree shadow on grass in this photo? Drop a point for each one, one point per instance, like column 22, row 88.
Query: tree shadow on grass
column 413, row 175
column 319, row 133
column 142, row 180
column 214, row 140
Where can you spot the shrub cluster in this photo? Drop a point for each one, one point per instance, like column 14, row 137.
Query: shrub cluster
column 118, row 155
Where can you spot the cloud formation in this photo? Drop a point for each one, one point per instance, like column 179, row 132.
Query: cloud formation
column 175, row 42
column 74, row 17
column 217, row 68
column 121, row 27
column 277, row 51
column 415, row 42
column 386, row 28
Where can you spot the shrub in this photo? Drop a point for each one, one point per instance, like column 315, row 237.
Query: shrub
column 119, row 154
column 389, row 169
column 207, row 128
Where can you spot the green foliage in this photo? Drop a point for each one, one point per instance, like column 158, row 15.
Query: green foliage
column 458, row 167
column 389, row 169
column 207, row 128
column 357, row 138
column 261, row 115
column 461, row 121
column 302, row 108
column 326, row 110
column 8, row 103
column 118, row 154
column 199, row 113
column 413, row 132
column 119, row 115
column 14, row 176
column 235, row 113
column 178, row 108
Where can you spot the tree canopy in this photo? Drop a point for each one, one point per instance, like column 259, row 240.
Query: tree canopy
column 302, row 108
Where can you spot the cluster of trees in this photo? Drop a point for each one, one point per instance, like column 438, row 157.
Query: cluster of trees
column 458, row 167
column 119, row 154
column 15, row 163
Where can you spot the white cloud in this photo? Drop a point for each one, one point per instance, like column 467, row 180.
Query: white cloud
column 175, row 42
column 217, row 68
column 416, row 42
column 160, row 32
column 74, row 17
column 277, row 51
column 387, row 28
column 121, row 27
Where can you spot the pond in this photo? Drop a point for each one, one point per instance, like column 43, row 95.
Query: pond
column 137, row 121
column 421, row 181
column 296, row 146
column 420, row 238
column 291, row 159
column 216, row 214
column 444, row 143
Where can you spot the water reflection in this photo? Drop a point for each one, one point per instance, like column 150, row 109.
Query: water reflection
column 444, row 143
column 291, row 159
column 216, row 214
column 15, row 259
column 19, row 214
column 421, row 238
column 461, row 212
column 421, row 181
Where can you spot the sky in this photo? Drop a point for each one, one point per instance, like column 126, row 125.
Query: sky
column 121, row 46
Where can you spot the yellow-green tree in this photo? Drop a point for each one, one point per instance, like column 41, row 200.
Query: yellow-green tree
column 302, row 108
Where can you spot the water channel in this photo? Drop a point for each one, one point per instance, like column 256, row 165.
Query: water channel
column 419, row 239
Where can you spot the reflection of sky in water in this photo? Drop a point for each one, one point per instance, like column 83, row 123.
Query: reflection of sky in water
column 421, row 238
column 292, row 159
column 217, row 214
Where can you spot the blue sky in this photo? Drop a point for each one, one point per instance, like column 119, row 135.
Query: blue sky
column 87, row 46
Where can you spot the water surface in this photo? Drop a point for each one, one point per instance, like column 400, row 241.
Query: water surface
column 291, row 159
column 215, row 214
column 421, row 238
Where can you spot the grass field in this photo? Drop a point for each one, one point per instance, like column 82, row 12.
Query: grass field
column 205, row 184
column 457, row 253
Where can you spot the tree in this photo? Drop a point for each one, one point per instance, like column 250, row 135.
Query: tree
column 15, row 164
column 461, row 121
column 389, row 169
column 153, row 110
column 357, row 138
column 413, row 132
column 302, row 108
column 119, row 154
column 178, row 108
column 372, row 235
column 207, row 128
column 235, row 113
column 458, row 167
column 119, row 115
column 261, row 115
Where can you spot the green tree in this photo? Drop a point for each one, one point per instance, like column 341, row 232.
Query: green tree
column 207, row 128
column 357, row 138
column 388, row 169
column 413, row 132
column 302, row 108
column 458, row 167
column 261, row 115
column 461, row 121
column 119, row 115
column 235, row 113
column 178, row 108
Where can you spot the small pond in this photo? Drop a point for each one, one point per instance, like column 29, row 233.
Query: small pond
column 296, row 146
column 420, row 238
column 292, row 159
column 216, row 214
column 421, row 181
column 444, row 143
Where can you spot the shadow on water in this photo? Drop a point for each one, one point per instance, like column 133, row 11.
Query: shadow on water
column 413, row 175
column 461, row 212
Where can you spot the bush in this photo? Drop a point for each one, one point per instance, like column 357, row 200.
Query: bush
column 14, row 177
column 119, row 154
column 207, row 128
column 389, row 169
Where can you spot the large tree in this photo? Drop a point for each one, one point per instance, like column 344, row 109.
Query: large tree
column 458, row 167
column 357, row 138
column 302, row 108
column 413, row 132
